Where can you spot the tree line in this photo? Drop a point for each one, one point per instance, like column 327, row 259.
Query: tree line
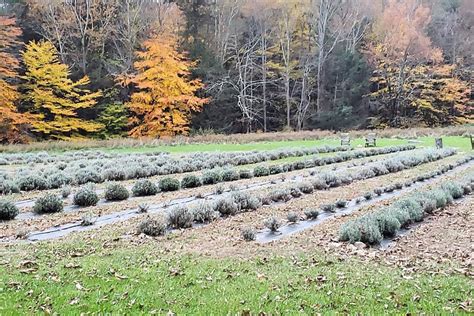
column 153, row 68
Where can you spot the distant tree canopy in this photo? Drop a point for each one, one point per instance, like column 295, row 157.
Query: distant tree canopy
column 231, row 66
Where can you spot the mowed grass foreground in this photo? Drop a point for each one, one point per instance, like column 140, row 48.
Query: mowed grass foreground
column 71, row 278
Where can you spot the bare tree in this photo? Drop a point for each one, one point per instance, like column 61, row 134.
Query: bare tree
column 328, row 32
column 225, row 13
column 137, row 18
column 79, row 28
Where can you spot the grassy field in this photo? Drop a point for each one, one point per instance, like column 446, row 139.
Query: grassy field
column 450, row 141
column 145, row 279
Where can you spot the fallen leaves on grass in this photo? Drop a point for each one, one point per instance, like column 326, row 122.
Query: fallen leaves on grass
column 175, row 272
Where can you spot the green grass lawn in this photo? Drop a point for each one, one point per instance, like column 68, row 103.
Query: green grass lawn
column 459, row 142
column 145, row 279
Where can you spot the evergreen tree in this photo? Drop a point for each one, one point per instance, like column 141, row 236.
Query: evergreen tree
column 114, row 118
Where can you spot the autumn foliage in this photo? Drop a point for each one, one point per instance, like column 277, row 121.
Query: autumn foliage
column 11, row 121
column 256, row 65
column 413, row 86
column 54, row 98
column 165, row 95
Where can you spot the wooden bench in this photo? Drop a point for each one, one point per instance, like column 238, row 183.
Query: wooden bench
column 345, row 139
column 439, row 143
column 371, row 140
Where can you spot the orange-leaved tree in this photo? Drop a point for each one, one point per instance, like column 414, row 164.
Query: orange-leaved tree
column 440, row 98
column 53, row 97
column 165, row 95
column 12, row 122
column 400, row 47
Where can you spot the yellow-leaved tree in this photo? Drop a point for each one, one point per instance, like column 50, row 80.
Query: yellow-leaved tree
column 11, row 120
column 53, row 98
column 165, row 96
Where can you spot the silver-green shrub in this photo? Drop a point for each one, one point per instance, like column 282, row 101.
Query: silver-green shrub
column 48, row 203
column 180, row 217
column 8, row 210
column 116, row 192
column 144, row 188
column 86, row 196
column 153, row 226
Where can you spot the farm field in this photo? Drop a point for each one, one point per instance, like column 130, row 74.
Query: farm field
column 236, row 157
column 297, row 227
